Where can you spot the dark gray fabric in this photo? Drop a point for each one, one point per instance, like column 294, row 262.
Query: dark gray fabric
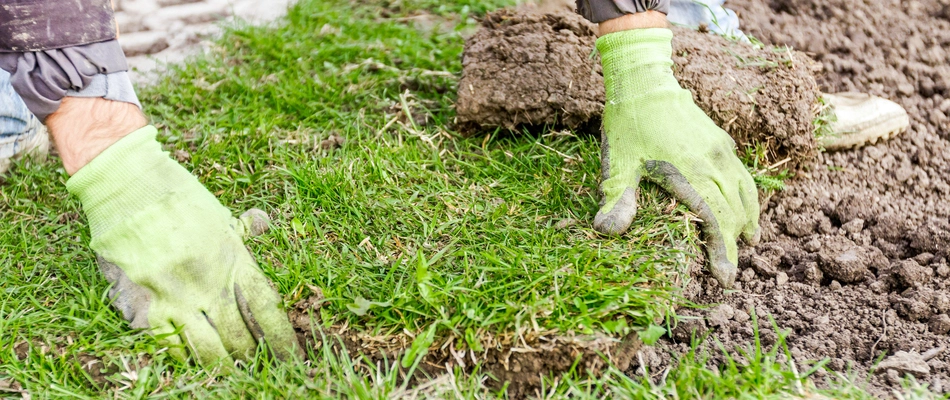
column 35, row 25
column 115, row 86
column 42, row 78
column 597, row 11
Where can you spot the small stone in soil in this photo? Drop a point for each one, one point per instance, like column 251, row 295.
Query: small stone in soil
column 905, row 363
column 781, row 278
column 940, row 324
column 720, row 315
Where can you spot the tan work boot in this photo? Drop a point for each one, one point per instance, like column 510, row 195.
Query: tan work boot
column 862, row 119
column 33, row 143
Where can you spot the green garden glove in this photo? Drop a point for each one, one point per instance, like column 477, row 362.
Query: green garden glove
column 176, row 257
column 653, row 130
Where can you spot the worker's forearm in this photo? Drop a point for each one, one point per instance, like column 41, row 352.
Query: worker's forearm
column 648, row 19
column 83, row 127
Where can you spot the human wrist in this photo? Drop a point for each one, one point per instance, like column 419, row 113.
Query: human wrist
column 636, row 63
column 642, row 20
column 82, row 128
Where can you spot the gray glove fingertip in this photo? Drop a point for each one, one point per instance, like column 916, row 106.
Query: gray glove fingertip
column 266, row 320
column 618, row 219
column 720, row 267
column 129, row 298
column 751, row 234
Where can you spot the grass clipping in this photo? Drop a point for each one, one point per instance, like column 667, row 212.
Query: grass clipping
column 523, row 69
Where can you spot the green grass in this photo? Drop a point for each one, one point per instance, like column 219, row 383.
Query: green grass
column 408, row 226
column 767, row 178
column 409, row 229
column 824, row 119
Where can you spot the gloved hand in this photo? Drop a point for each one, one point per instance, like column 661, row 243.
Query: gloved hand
column 653, row 130
column 176, row 255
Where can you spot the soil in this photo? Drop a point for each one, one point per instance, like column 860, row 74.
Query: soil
column 518, row 362
column 761, row 96
column 526, row 68
column 529, row 69
column 853, row 262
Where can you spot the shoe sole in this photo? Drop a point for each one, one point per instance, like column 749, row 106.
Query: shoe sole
column 856, row 140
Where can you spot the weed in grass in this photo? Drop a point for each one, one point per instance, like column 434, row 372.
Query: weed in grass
column 769, row 178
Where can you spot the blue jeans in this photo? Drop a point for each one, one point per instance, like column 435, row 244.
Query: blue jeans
column 712, row 13
column 14, row 118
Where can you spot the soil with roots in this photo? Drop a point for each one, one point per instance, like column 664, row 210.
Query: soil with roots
column 515, row 363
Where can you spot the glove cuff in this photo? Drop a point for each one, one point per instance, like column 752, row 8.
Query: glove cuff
column 126, row 178
column 636, row 62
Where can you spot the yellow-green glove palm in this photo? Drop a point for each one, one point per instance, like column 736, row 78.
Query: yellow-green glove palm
column 175, row 255
column 653, row 130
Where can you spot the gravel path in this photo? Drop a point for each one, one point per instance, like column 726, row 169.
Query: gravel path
column 156, row 32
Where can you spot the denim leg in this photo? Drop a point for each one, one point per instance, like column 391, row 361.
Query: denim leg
column 14, row 117
column 712, row 13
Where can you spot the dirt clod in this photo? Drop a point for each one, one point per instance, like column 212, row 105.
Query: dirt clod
column 304, row 309
column 721, row 315
column 21, row 350
column 909, row 274
column 334, row 141
column 529, row 69
column 565, row 223
column 940, row 324
column 256, row 220
column 182, row 155
column 842, row 260
column 906, row 363
column 11, row 386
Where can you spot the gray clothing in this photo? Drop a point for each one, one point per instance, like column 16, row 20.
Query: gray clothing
column 43, row 78
column 55, row 48
column 601, row 10
column 35, row 25
column 113, row 86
